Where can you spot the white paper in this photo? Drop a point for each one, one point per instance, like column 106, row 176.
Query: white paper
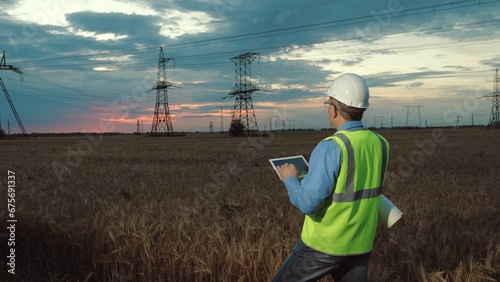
column 388, row 213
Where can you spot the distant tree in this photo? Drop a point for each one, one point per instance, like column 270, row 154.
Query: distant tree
column 237, row 128
column 2, row 133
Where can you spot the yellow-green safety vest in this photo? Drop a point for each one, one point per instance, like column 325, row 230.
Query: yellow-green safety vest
column 347, row 222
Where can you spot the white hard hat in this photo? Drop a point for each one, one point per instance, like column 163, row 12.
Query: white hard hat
column 350, row 89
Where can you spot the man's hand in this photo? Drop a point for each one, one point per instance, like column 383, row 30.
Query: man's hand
column 287, row 170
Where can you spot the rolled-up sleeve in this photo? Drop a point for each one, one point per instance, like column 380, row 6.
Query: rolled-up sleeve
column 324, row 164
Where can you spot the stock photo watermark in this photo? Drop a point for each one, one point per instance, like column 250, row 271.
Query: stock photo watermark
column 248, row 150
column 11, row 221
column 74, row 156
column 222, row 7
column 382, row 19
column 406, row 166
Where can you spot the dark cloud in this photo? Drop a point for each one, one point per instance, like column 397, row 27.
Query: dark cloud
column 389, row 79
column 137, row 26
column 6, row 4
column 415, row 84
column 458, row 68
column 350, row 62
column 493, row 62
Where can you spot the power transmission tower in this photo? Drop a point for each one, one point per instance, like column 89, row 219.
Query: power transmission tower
column 211, row 126
column 495, row 106
column 138, row 131
column 4, row 66
column 381, row 121
column 271, row 122
column 408, row 112
column 222, row 117
column 291, row 124
column 243, row 106
column 162, row 122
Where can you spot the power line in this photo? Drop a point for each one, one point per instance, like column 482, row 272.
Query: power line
column 354, row 20
column 97, row 55
column 302, row 28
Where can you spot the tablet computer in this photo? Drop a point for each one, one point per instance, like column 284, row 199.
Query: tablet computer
column 298, row 161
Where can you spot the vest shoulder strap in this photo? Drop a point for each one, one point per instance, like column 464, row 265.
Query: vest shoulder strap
column 350, row 195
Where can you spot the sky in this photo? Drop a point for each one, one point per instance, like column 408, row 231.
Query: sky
column 90, row 66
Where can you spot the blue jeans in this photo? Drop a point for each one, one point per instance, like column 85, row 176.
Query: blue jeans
column 306, row 264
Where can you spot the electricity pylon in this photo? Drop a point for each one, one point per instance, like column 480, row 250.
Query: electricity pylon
column 162, row 122
column 495, row 106
column 243, row 106
column 138, row 130
column 408, row 111
column 4, row 66
column 381, row 121
column 222, row 117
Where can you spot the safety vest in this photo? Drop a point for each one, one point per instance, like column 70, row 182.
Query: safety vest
column 347, row 222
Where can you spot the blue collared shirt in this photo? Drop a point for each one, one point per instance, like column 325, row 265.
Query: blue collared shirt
column 324, row 166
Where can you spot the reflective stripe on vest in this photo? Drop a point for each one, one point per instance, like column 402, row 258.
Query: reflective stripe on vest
column 350, row 195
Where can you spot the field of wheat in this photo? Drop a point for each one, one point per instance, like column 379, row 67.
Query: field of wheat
column 208, row 207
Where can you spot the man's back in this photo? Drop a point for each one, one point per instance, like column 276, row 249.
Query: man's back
column 346, row 224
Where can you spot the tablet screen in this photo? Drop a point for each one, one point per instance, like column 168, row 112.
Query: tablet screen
column 298, row 161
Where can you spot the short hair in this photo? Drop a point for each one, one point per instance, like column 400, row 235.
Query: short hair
column 348, row 112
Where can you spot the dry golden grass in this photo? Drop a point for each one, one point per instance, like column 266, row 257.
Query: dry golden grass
column 207, row 207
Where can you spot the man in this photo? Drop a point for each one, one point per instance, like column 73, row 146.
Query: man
column 340, row 194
